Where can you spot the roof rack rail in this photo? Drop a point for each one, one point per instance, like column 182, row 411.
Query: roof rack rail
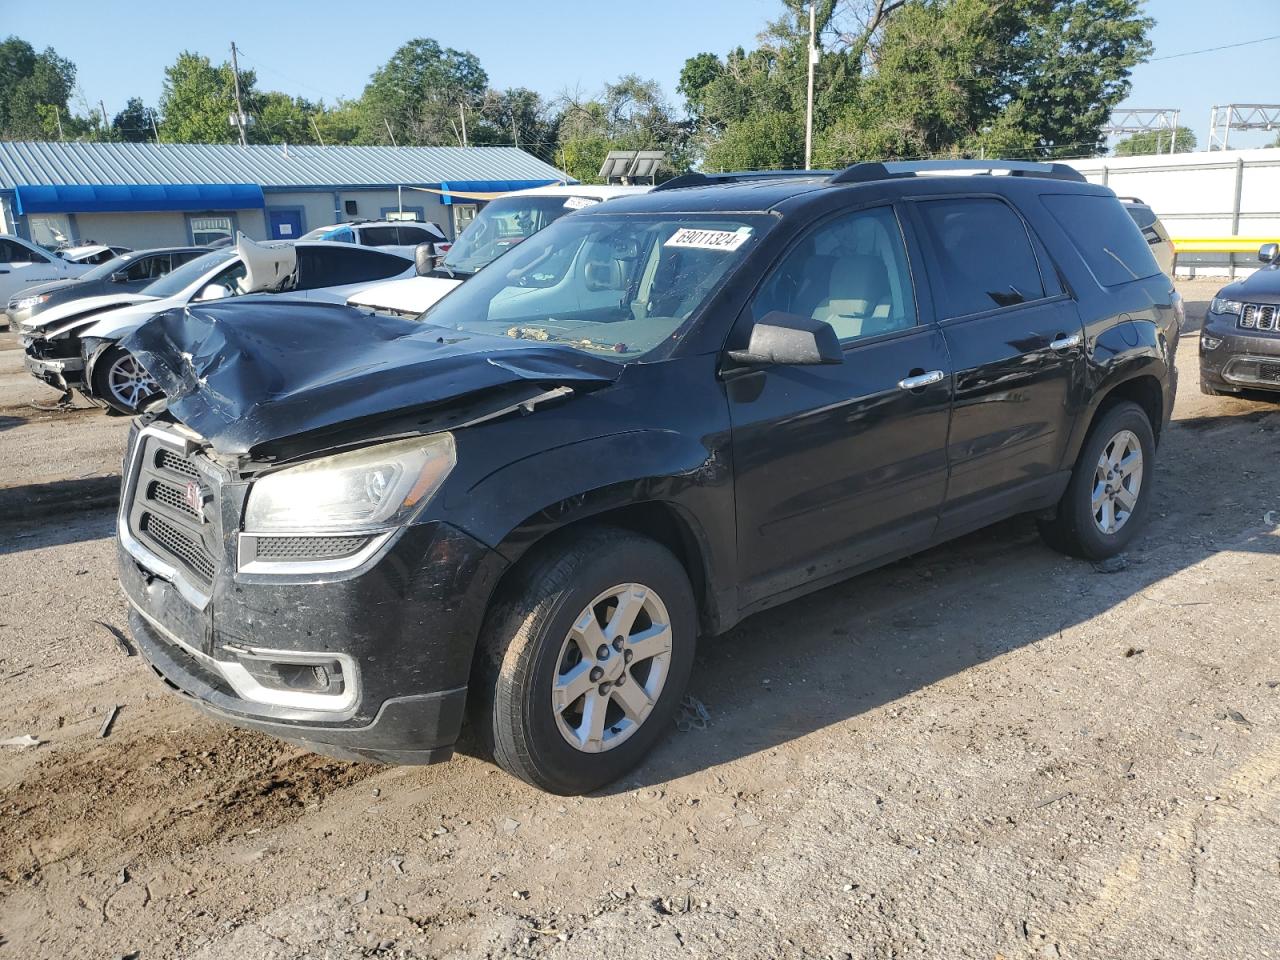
column 696, row 179
column 872, row 171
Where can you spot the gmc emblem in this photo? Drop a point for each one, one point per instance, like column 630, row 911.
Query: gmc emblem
column 196, row 497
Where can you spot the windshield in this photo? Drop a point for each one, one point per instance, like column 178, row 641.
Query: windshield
column 104, row 270
column 501, row 225
column 618, row 285
column 175, row 281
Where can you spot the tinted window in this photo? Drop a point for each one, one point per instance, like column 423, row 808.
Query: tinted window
column 335, row 266
column 11, row 252
column 1106, row 236
column 985, row 259
column 850, row 272
column 1142, row 215
column 416, row 235
column 379, row 236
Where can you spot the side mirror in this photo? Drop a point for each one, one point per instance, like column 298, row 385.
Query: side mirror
column 214, row 291
column 785, row 338
column 1269, row 252
column 424, row 259
column 120, row 276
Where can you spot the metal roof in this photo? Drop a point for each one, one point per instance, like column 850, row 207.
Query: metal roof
column 126, row 164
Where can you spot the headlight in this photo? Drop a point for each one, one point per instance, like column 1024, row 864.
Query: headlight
column 28, row 302
column 374, row 488
column 1226, row 307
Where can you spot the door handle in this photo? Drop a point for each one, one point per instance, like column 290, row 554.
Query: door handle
column 921, row 380
column 1065, row 342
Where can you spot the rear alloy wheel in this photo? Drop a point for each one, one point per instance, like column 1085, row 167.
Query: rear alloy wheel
column 1109, row 491
column 120, row 381
column 584, row 660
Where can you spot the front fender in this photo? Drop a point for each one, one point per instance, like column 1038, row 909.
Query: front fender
column 690, row 479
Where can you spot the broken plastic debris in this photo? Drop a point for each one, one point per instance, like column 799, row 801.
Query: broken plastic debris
column 693, row 715
column 26, row 740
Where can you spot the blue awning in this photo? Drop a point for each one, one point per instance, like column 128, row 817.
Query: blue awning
column 489, row 186
column 138, row 198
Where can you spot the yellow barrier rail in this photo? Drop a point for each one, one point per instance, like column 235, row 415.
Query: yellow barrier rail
column 1220, row 244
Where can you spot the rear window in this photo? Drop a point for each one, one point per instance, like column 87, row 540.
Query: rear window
column 1106, row 236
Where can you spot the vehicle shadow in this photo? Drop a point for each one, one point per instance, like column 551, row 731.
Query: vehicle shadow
column 55, row 510
column 874, row 639
column 8, row 423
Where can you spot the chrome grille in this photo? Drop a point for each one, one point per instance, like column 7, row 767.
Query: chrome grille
column 177, row 528
column 1259, row 316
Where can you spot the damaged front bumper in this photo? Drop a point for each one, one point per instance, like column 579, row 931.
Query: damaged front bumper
column 55, row 362
column 367, row 663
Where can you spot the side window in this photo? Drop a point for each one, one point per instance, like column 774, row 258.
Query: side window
column 415, row 235
column 851, row 272
column 11, row 252
column 335, row 267
column 1107, row 236
column 148, row 268
column 984, row 256
column 229, row 278
column 379, row 236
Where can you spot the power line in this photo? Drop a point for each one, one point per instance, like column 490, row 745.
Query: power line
column 1225, row 46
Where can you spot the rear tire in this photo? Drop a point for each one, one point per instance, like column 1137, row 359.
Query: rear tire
column 121, row 383
column 1107, row 499
column 561, row 700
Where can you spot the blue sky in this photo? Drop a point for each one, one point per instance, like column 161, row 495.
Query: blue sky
column 325, row 48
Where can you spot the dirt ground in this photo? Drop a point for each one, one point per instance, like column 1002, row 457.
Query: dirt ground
column 985, row 751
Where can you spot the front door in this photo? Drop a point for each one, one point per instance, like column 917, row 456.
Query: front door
column 284, row 224
column 21, row 267
column 1016, row 341
column 839, row 465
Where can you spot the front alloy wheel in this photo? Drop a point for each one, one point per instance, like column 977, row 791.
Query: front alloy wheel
column 613, row 666
column 1117, row 482
column 584, row 659
column 119, row 380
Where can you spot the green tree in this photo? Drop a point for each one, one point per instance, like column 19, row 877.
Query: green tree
column 133, row 124
column 631, row 114
column 420, row 93
column 517, row 116
column 198, row 100
column 34, row 88
column 1156, row 141
column 280, row 118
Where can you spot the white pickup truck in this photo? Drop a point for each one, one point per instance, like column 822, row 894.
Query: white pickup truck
column 501, row 225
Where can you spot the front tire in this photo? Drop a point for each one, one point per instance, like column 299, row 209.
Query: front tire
column 120, row 382
column 584, row 661
column 1107, row 499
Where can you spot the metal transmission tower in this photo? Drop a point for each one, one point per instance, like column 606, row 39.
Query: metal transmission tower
column 1146, row 120
column 1240, row 116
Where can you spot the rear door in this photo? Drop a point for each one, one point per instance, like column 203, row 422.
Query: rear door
column 839, row 465
column 1016, row 341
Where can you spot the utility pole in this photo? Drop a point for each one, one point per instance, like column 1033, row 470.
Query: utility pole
column 151, row 115
column 808, row 113
column 235, row 74
column 515, row 136
column 463, row 111
column 57, row 113
column 106, row 124
column 389, row 133
column 316, row 129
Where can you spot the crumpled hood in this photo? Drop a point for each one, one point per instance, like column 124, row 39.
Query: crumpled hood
column 411, row 295
column 62, row 317
column 246, row 374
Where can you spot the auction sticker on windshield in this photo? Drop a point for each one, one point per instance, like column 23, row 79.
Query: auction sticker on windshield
column 709, row 239
column 580, row 203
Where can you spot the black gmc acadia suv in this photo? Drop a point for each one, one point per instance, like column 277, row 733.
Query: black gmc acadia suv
column 652, row 419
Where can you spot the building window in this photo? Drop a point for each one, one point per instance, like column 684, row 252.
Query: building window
column 50, row 230
column 205, row 230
